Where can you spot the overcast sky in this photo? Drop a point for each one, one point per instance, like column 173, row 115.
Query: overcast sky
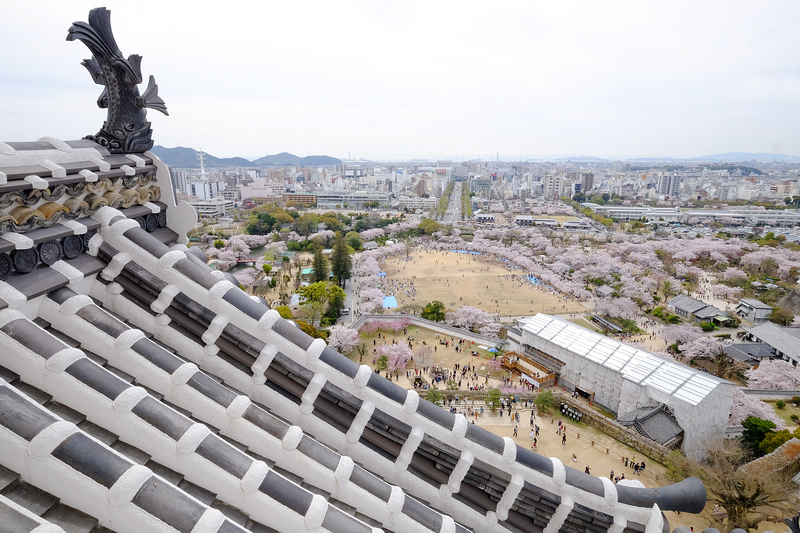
column 413, row 79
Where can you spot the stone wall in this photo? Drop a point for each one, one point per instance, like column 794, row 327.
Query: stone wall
column 438, row 327
column 772, row 394
column 625, row 435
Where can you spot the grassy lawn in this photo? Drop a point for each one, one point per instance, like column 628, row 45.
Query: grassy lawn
column 785, row 413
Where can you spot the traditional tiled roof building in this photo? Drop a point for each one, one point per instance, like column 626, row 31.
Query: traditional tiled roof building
column 140, row 391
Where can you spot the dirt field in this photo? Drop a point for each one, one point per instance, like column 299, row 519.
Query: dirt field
column 443, row 355
column 463, row 279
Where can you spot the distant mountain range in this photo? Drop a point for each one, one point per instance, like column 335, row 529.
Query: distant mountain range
column 181, row 157
column 747, row 156
column 733, row 157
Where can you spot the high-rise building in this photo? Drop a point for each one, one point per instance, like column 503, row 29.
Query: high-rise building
column 669, row 184
column 587, row 181
column 179, row 180
column 552, row 185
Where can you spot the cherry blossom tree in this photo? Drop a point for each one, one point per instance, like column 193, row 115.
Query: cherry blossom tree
column 293, row 236
column 368, row 267
column 495, row 364
column 368, row 281
column 774, row 375
column 734, row 274
column 467, row 316
column 490, row 328
column 723, row 291
column 473, row 318
column 372, row 234
column 682, row 333
column 745, row 405
column 397, row 227
column 398, row 354
column 398, row 325
column 343, row 339
column 374, row 325
column 617, row 307
column 323, row 237
column 701, row 347
column 247, row 277
column 276, row 248
column 371, row 299
column 424, row 356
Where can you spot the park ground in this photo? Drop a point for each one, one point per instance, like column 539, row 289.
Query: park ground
column 464, row 279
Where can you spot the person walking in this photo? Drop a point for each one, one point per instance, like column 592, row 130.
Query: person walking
column 564, row 440
column 515, row 431
column 611, row 476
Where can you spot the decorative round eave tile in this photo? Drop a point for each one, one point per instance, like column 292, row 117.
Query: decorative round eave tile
column 6, row 266
column 151, row 222
column 87, row 237
column 73, row 246
column 25, row 260
column 50, row 252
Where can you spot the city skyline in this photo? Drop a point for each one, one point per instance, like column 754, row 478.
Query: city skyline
column 414, row 80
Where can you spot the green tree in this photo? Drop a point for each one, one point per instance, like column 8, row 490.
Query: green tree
column 435, row 311
column 545, row 401
column 755, row 430
column 493, row 399
column 321, row 297
column 341, row 263
column 285, row 312
column 382, row 362
column 428, row 226
column 781, row 316
column 335, row 306
column 321, row 291
column 320, row 266
column 433, row 395
column 774, row 439
column 311, row 330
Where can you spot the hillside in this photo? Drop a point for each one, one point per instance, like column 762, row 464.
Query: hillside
column 181, row 157
column 287, row 159
column 747, row 156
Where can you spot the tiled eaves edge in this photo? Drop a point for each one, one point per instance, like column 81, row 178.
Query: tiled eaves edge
column 114, row 506
column 182, row 453
column 261, row 327
column 230, row 419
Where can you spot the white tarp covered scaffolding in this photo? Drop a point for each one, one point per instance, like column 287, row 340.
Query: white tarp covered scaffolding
column 624, row 378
